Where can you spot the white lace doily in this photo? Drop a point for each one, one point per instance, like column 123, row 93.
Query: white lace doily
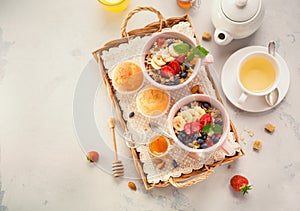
column 178, row 161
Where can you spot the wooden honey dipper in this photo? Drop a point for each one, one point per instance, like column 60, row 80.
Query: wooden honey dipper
column 117, row 166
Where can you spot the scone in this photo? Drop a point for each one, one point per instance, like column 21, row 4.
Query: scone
column 152, row 101
column 127, row 77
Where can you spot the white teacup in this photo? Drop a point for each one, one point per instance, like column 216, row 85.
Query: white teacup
column 258, row 74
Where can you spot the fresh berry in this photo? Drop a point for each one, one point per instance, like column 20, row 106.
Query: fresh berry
column 204, row 135
column 175, row 65
column 206, row 105
column 183, row 75
column 180, row 58
column 203, row 146
column 240, row 183
column 192, row 127
column 205, row 119
column 200, row 140
column 209, row 142
column 167, row 71
column 170, row 42
column 131, row 114
column 187, row 66
column 92, row 156
column 174, row 163
column 219, row 122
column 160, row 41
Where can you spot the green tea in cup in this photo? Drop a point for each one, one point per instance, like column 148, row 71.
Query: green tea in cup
column 258, row 75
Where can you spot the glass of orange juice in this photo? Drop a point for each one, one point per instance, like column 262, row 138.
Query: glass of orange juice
column 187, row 4
column 114, row 5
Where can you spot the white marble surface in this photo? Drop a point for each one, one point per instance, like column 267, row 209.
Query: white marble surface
column 44, row 47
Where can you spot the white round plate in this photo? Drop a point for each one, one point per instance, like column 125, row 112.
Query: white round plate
column 232, row 90
column 91, row 109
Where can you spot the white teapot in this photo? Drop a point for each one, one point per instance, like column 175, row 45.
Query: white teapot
column 236, row 19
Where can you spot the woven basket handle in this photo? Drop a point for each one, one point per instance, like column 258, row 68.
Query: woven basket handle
column 180, row 183
column 137, row 10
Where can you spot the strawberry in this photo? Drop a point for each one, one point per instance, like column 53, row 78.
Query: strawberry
column 240, row 184
column 192, row 127
column 175, row 65
column 205, row 119
column 167, row 71
column 181, row 58
column 92, row 156
column 160, row 41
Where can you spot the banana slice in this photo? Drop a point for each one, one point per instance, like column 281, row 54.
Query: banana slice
column 200, row 110
column 195, row 114
column 154, row 65
column 178, row 123
column 172, row 50
column 186, row 115
column 168, row 58
column 158, row 59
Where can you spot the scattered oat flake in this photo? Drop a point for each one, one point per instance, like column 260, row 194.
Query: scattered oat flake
column 251, row 133
column 242, row 137
column 246, row 129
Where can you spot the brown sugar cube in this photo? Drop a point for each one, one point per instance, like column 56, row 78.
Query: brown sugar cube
column 206, row 36
column 269, row 128
column 257, row 145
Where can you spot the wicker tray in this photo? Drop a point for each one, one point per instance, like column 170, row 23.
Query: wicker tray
column 185, row 179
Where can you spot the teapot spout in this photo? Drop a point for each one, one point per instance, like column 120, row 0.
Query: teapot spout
column 222, row 37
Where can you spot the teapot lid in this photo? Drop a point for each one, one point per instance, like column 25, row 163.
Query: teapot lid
column 240, row 10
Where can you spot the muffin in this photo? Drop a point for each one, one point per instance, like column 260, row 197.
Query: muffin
column 152, row 101
column 127, row 77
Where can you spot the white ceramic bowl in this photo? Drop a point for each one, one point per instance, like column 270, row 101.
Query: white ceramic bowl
column 214, row 103
column 146, row 50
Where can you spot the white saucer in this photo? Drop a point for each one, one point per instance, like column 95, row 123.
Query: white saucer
column 232, row 90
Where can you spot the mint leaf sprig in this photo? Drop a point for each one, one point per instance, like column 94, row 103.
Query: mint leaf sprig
column 184, row 48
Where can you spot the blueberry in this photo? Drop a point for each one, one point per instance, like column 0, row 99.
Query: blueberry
column 187, row 66
column 206, row 105
column 170, row 42
column 219, row 122
column 182, row 136
column 173, row 83
column 204, row 135
column 176, row 81
column 200, row 140
column 183, row 74
column 203, row 146
column 188, row 140
column 216, row 140
column 131, row 114
column 174, row 163
column 195, row 136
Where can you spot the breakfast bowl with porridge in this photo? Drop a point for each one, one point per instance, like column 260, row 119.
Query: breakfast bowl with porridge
column 171, row 60
column 199, row 124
